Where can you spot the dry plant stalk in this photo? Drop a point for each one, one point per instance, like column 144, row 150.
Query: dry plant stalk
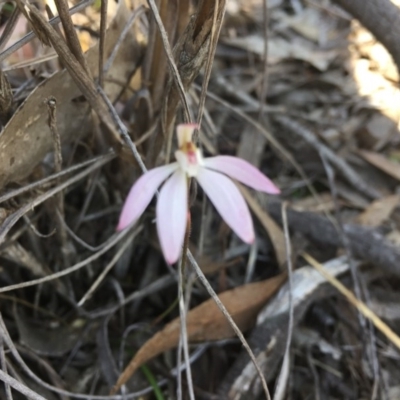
column 190, row 53
column 77, row 72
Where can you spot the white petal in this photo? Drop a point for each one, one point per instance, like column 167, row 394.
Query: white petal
column 190, row 165
column 229, row 202
column 172, row 210
column 142, row 192
column 242, row 171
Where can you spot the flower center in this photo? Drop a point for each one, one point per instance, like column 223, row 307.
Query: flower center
column 189, row 158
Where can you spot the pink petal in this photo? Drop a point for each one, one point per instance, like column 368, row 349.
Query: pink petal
column 229, row 202
column 242, row 171
column 172, row 212
column 142, row 192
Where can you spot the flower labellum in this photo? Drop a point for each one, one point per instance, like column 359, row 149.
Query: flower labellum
column 213, row 175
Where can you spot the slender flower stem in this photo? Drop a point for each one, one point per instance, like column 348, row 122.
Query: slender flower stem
column 183, row 342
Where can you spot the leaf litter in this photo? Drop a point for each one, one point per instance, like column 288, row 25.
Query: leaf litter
column 328, row 96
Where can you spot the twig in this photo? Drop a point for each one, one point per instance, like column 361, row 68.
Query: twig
column 21, row 362
column 3, row 364
column 70, row 33
column 264, row 76
column 48, row 179
column 109, row 266
column 239, row 334
column 19, row 387
column 59, row 198
column 183, row 340
column 26, row 39
column 9, row 28
column 12, row 219
column 112, row 242
column 270, row 138
column 283, row 377
column 362, row 307
column 348, row 172
column 136, row 14
column 170, row 57
column 103, row 25
column 215, row 32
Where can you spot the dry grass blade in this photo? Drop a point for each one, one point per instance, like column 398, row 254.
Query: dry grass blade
column 341, row 165
column 11, row 23
column 361, row 307
column 232, row 323
column 8, row 341
column 155, row 67
column 19, row 387
column 103, row 25
column 26, row 39
column 70, row 33
column 12, row 219
column 108, row 267
column 274, row 231
column 27, row 131
column 173, row 67
column 191, row 52
column 283, row 378
column 215, row 31
column 285, row 154
column 112, row 242
column 206, row 322
column 77, row 72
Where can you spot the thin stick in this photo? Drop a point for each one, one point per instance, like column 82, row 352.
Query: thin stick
column 136, row 13
column 14, row 351
column 362, row 307
column 4, row 369
column 9, row 28
column 70, row 33
column 183, row 340
column 12, row 219
column 114, row 240
column 264, row 76
column 103, row 25
column 19, row 387
column 26, row 39
column 109, row 266
column 48, row 179
column 224, row 311
column 283, row 377
column 170, row 57
column 215, row 31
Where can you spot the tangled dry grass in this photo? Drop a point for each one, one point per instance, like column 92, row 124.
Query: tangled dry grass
column 90, row 99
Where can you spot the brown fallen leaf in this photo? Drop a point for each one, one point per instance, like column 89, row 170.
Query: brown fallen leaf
column 378, row 211
column 26, row 139
column 377, row 160
column 206, row 322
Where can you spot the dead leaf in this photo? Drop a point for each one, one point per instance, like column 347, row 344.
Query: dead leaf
column 280, row 49
column 323, row 204
column 206, row 322
column 17, row 253
column 377, row 160
column 274, row 231
column 43, row 340
column 26, row 139
column 376, row 133
column 378, row 211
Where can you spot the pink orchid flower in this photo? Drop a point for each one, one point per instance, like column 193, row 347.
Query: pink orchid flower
column 212, row 175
